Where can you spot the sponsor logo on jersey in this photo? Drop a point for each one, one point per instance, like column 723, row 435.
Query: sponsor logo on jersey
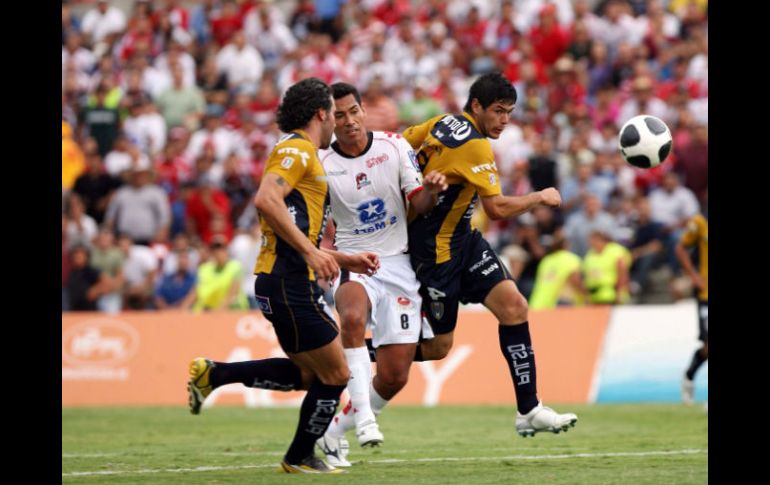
column 304, row 156
column 492, row 179
column 372, row 211
column 287, row 162
column 483, row 167
column 374, row 214
column 362, row 180
column 379, row 159
column 459, row 129
column 402, row 300
column 335, row 173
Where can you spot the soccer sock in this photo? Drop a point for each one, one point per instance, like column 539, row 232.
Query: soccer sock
column 358, row 385
column 378, row 402
column 516, row 345
column 697, row 361
column 373, row 352
column 276, row 374
column 342, row 422
column 316, row 413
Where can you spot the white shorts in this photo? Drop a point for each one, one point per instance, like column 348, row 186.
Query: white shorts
column 396, row 303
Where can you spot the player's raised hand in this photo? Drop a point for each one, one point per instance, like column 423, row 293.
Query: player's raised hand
column 434, row 182
column 550, row 197
column 364, row 262
column 324, row 264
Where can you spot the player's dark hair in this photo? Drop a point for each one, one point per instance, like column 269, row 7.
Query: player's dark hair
column 301, row 102
column 340, row 90
column 489, row 88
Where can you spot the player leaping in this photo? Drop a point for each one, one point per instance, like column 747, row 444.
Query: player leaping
column 453, row 262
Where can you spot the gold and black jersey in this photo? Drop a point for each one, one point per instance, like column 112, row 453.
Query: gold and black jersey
column 452, row 145
column 697, row 232
column 294, row 158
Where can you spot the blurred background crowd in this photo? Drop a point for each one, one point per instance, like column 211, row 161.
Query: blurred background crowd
column 168, row 116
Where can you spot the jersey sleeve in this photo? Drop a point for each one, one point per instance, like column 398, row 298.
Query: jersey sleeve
column 477, row 166
column 691, row 233
column 409, row 171
column 290, row 160
column 416, row 134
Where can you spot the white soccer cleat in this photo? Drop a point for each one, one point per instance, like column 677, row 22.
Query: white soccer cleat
column 688, row 391
column 369, row 434
column 542, row 418
column 335, row 449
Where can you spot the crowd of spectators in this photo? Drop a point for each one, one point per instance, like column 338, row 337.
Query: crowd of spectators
column 168, row 117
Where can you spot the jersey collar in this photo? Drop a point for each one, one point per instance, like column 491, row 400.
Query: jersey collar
column 336, row 147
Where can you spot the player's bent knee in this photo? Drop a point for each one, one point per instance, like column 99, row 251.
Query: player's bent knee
column 436, row 348
column 335, row 377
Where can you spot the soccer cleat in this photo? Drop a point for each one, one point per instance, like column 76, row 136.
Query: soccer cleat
column 688, row 391
column 199, row 386
column 542, row 418
column 309, row 464
column 335, row 449
column 369, row 434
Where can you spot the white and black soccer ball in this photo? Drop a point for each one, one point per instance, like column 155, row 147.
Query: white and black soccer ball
column 645, row 141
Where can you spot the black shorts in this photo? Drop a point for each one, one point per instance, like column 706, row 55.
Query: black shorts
column 468, row 278
column 297, row 310
column 703, row 320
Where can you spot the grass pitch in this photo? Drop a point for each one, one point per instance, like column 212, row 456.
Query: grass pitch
column 463, row 445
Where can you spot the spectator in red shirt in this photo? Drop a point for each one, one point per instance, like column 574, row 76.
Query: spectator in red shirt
column 206, row 204
column 548, row 38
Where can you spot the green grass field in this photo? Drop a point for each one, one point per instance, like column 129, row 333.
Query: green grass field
column 464, row 445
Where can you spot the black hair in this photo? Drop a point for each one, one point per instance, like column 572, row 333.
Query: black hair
column 340, row 90
column 489, row 88
column 301, row 102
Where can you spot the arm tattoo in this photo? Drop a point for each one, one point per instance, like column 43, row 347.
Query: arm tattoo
column 280, row 181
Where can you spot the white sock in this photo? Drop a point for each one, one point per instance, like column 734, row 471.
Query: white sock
column 342, row 422
column 378, row 402
column 358, row 385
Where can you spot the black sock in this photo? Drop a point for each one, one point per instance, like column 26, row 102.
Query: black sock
column 697, row 361
column 516, row 345
column 373, row 352
column 275, row 374
column 315, row 415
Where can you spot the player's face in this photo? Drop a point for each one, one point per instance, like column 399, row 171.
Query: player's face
column 327, row 128
column 494, row 119
column 349, row 120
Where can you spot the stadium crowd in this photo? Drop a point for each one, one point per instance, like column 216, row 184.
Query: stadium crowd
column 168, row 115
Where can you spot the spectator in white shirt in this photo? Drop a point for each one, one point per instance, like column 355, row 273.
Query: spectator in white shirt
column 241, row 63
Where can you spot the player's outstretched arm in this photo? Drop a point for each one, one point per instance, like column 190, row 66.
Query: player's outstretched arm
column 270, row 204
column 426, row 199
column 364, row 262
column 507, row 206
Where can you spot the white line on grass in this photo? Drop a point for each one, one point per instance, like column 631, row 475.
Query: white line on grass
column 389, row 461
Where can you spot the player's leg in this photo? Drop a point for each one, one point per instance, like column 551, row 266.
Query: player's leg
column 699, row 357
column 354, row 305
column 510, row 308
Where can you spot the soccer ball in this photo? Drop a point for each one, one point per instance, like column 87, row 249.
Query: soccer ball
column 645, row 141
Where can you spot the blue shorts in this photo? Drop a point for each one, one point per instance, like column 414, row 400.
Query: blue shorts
column 467, row 278
column 297, row 310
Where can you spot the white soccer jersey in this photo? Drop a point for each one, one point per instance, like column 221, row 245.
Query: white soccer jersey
column 367, row 194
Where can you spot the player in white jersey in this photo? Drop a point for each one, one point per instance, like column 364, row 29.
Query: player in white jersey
column 371, row 175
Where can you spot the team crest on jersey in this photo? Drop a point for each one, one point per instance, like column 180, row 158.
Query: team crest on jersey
column 362, row 180
column 287, row 162
column 372, row 211
column 492, row 179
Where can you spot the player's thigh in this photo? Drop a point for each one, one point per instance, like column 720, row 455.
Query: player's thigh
column 298, row 312
column 440, row 292
column 353, row 300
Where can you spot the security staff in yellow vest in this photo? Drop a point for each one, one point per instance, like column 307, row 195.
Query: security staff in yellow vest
column 606, row 268
column 558, row 280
